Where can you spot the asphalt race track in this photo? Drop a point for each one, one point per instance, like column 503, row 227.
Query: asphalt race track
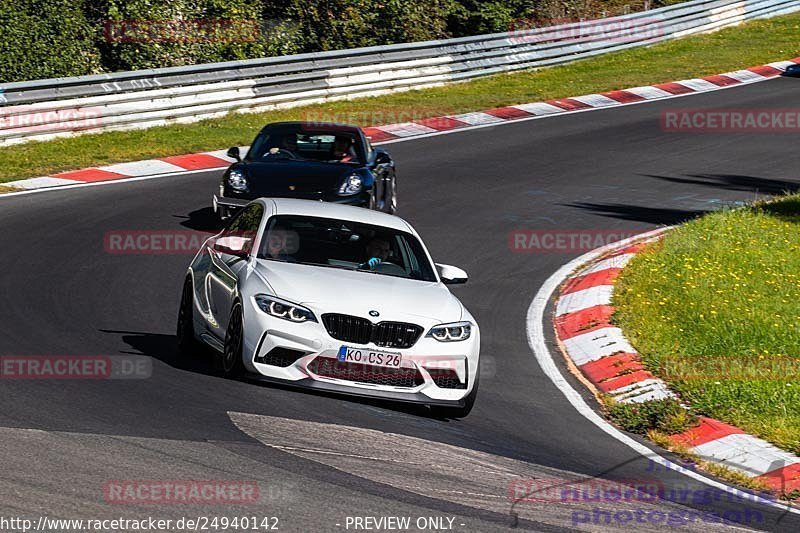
column 320, row 459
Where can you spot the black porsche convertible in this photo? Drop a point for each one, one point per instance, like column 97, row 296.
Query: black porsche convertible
column 312, row 161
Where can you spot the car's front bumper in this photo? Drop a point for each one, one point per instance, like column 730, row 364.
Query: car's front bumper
column 345, row 389
column 427, row 358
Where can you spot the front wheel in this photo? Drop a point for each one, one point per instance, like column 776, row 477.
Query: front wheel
column 462, row 410
column 390, row 197
column 223, row 214
column 230, row 361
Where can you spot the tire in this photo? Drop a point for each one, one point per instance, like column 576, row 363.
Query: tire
column 222, row 214
column 187, row 343
column 390, row 204
column 460, row 411
column 230, row 360
column 373, row 202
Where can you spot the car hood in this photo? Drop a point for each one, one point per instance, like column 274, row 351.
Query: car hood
column 333, row 290
column 275, row 178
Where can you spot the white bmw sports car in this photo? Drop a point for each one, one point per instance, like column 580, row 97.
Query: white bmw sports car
column 333, row 298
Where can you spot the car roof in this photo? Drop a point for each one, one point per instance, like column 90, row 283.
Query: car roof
column 293, row 206
column 327, row 126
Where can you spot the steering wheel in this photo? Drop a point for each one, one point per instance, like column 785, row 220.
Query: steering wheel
column 371, row 264
column 375, row 262
column 280, row 152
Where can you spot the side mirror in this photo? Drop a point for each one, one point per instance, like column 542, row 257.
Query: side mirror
column 233, row 153
column 451, row 275
column 231, row 245
column 382, row 158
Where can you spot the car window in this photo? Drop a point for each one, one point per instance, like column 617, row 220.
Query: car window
column 346, row 245
column 292, row 143
column 245, row 225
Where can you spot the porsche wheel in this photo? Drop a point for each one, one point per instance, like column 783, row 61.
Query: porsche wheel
column 230, row 361
column 390, row 204
column 223, row 214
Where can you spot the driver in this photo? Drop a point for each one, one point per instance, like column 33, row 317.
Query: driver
column 290, row 142
column 378, row 251
column 276, row 245
column 343, row 150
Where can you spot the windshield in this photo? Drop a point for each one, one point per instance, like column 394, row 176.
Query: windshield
column 289, row 143
column 346, row 245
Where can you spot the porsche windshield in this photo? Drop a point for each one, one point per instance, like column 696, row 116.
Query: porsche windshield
column 347, row 245
column 292, row 144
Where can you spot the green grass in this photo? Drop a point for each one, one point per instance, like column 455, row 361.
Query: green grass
column 665, row 416
column 747, row 45
column 715, row 309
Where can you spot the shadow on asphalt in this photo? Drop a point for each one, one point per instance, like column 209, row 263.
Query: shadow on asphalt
column 669, row 216
column 165, row 349
column 735, row 182
column 650, row 215
column 201, row 220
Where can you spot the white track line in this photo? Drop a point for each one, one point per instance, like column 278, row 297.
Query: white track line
column 535, row 329
column 82, row 185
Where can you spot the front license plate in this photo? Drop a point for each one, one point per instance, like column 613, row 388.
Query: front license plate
column 369, row 357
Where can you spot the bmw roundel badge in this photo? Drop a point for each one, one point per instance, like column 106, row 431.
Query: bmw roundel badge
column 374, row 313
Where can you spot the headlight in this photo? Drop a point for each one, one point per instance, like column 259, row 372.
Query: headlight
column 283, row 309
column 237, row 181
column 351, row 185
column 457, row 331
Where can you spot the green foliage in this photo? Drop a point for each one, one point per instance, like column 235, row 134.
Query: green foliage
column 666, row 416
column 45, row 39
column 474, row 17
column 332, row 25
column 139, row 34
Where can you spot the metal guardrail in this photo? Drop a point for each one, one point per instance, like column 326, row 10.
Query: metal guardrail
column 44, row 109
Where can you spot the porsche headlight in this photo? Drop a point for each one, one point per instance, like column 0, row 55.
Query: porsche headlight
column 283, row 309
column 351, row 185
column 237, row 181
column 457, row 331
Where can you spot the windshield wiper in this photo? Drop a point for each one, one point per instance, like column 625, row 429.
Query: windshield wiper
column 341, row 267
